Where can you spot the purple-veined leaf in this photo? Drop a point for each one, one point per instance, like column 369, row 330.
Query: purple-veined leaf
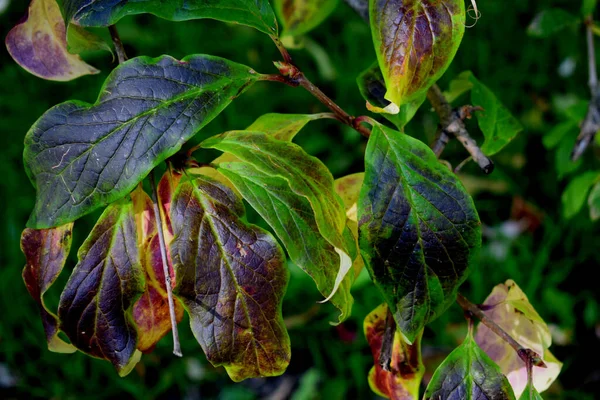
column 418, row 228
column 95, row 306
column 231, row 278
column 415, row 41
column 46, row 251
column 39, row 44
column 147, row 110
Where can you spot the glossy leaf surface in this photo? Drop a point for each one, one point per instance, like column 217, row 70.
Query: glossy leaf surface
column 511, row 310
column 306, row 176
column 418, row 228
column 147, row 109
column 231, row 277
column 95, row 307
column 255, row 13
column 39, row 44
column 468, row 374
column 302, row 16
column 403, row 380
column 415, row 41
column 46, row 251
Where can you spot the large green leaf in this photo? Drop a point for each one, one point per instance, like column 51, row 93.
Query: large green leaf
column 302, row 16
column 306, row 177
column 418, row 228
column 82, row 156
column 231, row 277
column 468, row 374
column 415, row 41
column 95, row 307
column 255, row 13
column 46, row 251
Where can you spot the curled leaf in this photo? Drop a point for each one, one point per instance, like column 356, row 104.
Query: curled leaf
column 415, row 41
column 348, row 188
column 39, row 44
column 509, row 307
column 46, row 251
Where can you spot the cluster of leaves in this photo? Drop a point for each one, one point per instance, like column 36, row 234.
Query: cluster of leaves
column 415, row 225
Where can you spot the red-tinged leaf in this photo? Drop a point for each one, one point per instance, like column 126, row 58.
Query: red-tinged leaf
column 166, row 191
column 46, row 251
column 95, row 307
column 510, row 308
column 406, row 368
column 39, row 44
column 231, row 278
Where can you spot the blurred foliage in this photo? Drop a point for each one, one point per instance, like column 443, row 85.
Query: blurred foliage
column 526, row 237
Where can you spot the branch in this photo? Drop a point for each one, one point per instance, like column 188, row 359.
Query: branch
column 591, row 124
column 114, row 34
column 527, row 355
column 452, row 122
column 163, row 254
column 387, row 343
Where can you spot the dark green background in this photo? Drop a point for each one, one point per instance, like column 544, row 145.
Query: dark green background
column 555, row 264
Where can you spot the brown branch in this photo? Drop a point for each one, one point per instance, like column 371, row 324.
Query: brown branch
column 114, row 34
column 527, row 355
column 163, row 254
column 452, row 123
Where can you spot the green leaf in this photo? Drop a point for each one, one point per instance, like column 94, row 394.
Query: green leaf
column 255, row 13
column 468, row 373
column 588, row 7
column 306, row 176
column 594, row 202
column 302, row 16
column 80, row 39
column 415, row 42
column 418, row 228
column 498, row 125
column 372, row 87
column 551, row 21
column 556, row 134
column 39, row 44
column 530, row 394
column 46, row 251
column 283, row 126
column 576, row 192
column 231, row 277
column 82, row 156
column 95, row 307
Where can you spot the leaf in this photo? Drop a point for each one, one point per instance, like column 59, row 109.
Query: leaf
column 403, row 380
column 147, row 109
column 551, row 21
column 530, row 394
column 556, row 134
column 498, row 125
column 95, row 307
column 511, row 310
column 46, row 251
column 301, row 16
column 231, row 278
column 39, row 44
column 418, row 228
column 594, row 202
column 468, row 373
column 80, row 40
column 306, row 176
column 415, row 42
column 348, row 188
column 573, row 198
column 372, row 87
column 151, row 311
column 588, row 7
column 255, row 13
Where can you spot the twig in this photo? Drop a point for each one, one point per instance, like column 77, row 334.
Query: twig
column 527, row 355
column 163, row 254
column 591, row 124
column 114, row 34
column 387, row 343
column 284, row 53
column 452, row 122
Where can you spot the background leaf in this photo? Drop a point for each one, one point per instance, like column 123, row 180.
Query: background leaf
column 46, row 251
column 147, row 110
column 576, row 192
column 417, row 228
column 231, row 278
column 95, row 307
column 594, row 202
column 255, row 13
column 302, row 16
column 551, row 21
column 39, row 44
